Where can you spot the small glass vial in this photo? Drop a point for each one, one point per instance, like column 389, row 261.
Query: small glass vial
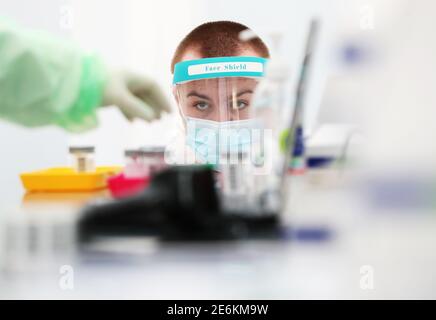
column 144, row 162
column 135, row 165
column 83, row 159
column 154, row 158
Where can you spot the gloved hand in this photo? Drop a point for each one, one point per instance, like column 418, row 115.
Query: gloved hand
column 136, row 96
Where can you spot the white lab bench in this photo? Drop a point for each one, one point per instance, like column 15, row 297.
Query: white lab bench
column 370, row 255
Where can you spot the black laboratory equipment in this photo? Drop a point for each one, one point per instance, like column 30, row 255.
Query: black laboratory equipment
column 182, row 203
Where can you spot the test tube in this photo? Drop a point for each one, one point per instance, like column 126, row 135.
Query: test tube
column 154, row 158
column 235, row 180
column 144, row 162
column 83, row 159
column 135, row 166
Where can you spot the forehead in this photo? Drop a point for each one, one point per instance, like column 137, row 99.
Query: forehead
column 194, row 53
column 229, row 83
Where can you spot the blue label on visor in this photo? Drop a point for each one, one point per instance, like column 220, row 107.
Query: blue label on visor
column 218, row 68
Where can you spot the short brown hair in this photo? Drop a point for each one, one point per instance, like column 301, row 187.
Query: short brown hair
column 218, row 39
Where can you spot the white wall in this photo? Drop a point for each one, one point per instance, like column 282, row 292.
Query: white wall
column 29, row 149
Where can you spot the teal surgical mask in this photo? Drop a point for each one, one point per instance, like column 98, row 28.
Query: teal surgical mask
column 210, row 139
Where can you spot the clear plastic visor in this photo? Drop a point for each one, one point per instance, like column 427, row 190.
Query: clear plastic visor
column 217, row 99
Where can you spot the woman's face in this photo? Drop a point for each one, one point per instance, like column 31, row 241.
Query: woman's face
column 219, row 99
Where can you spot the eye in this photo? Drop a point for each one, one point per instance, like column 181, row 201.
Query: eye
column 201, row 105
column 241, row 104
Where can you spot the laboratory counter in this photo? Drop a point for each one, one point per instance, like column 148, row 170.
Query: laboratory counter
column 362, row 253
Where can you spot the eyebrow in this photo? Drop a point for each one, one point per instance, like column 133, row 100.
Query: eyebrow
column 244, row 92
column 202, row 96
column 198, row 95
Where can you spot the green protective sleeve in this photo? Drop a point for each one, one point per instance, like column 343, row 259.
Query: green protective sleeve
column 46, row 80
column 81, row 116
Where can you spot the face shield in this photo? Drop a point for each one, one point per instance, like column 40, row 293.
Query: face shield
column 215, row 98
column 218, row 99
